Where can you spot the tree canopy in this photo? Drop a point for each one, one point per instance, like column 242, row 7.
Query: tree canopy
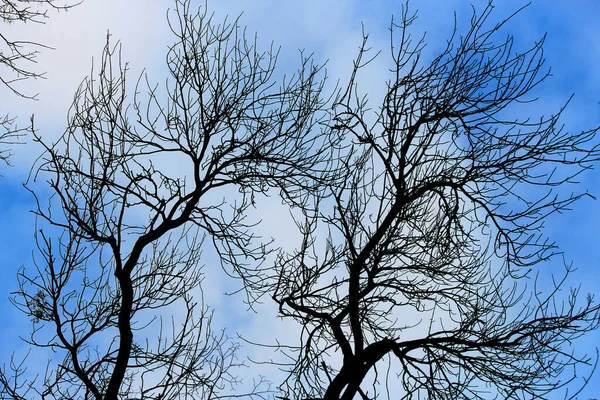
column 421, row 216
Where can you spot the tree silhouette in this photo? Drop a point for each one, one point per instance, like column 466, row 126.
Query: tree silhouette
column 17, row 54
column 421, row 222
column 16, row 58
column 422, row 261
column 123, row 237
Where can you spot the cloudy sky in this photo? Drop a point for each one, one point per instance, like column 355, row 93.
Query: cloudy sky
column 332, row 31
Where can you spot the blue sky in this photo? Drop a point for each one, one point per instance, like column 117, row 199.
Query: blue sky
column 330, row 29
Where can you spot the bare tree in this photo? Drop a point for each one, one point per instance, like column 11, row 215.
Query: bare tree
column 422, row 224
column 418, row 270
column 137, row 188
column 10, row 134
column 16, row 58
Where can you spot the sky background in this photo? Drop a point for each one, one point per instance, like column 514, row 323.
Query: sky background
column 332, row 31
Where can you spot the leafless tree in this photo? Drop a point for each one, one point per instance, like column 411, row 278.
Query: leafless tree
column 422, row 224
column 16, row 58
column 10, row 134
column 418, row 271
column 138, row 188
